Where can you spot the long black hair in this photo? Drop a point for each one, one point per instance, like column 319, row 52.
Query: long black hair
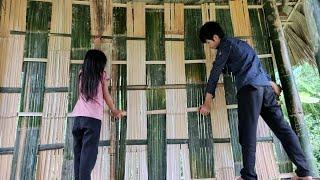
column 91, row 73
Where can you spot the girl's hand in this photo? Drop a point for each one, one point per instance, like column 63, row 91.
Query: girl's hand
column 97, row 40
column 117, row 113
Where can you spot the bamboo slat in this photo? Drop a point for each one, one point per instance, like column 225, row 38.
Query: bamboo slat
column 13, row 16
column 61, row 18
column 4, row 18
column 136, row 156
column 11, row 60
column 219, row 116
column 223, row 161
column 58, row 61
column 176, row 99
column 136, row 19
column 179, row 166
column 102, row 166
column 55, row 104
column 240, row 19
column 101, row 17
column 136, row 162
column 266, row 165
column 174, row 19
column 6, row 161
column 52, row 131
column 208, row 14
column 50, row 164
column 8, row 119
column 136, row 62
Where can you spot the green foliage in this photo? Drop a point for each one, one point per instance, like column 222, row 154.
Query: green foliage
column 308, row 83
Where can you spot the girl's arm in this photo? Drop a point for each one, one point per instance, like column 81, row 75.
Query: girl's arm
column 107, row 98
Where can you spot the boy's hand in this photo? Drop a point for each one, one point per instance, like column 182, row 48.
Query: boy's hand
column 206, row 107
column 276, row 88
column 204, row 110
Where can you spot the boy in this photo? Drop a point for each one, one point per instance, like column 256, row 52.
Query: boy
column 256, row 96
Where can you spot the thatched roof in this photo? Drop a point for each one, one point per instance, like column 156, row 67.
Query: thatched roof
column 301, row 33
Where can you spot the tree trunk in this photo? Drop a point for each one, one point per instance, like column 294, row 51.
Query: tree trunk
column 291, row 95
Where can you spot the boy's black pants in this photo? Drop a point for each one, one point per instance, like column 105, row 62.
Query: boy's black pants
column 86, row 134
column 260, row 100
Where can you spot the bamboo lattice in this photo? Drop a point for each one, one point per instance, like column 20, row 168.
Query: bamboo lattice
column 135, row 52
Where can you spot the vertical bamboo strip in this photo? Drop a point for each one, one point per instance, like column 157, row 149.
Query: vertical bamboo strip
column 55, row 104
column 240, row 19
column 25, row 159
column 156, row 98
column 174, row 20
column 223, row 159
column 4, row 18
column 208, row 14
column 176, row 100
column 11, row 50
column 266, row 165
column 101, row 17
column 101, row 25
column 219, row 116
column 136, row 157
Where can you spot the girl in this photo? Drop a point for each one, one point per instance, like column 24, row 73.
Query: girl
column 88, row 112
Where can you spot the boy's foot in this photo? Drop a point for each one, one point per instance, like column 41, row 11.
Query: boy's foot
column 301, row 178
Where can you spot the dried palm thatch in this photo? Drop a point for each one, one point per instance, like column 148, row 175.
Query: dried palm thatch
column 301, row 41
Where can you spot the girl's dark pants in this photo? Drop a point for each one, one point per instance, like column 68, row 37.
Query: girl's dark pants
column 86, row 133
column 260, row 100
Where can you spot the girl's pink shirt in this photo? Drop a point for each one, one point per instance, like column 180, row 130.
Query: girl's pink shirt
column 91, row 108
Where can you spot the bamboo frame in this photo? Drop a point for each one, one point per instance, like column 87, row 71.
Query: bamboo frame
column 136, row 64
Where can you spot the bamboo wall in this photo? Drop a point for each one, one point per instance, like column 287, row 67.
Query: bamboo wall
column 158, row 68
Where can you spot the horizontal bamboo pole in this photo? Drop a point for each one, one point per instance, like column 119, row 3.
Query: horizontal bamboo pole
column 45, row 147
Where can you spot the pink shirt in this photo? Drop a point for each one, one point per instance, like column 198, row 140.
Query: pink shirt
column 91, row 108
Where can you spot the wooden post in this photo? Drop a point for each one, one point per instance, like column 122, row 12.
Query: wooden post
column 291, row 95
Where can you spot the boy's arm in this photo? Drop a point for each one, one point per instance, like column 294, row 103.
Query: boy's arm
column 218, row 65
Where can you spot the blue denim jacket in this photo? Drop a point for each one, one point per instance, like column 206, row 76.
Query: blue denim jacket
column 238, row 57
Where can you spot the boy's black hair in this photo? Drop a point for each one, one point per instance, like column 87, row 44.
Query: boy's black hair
column 91, row 73
column 209, row 29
